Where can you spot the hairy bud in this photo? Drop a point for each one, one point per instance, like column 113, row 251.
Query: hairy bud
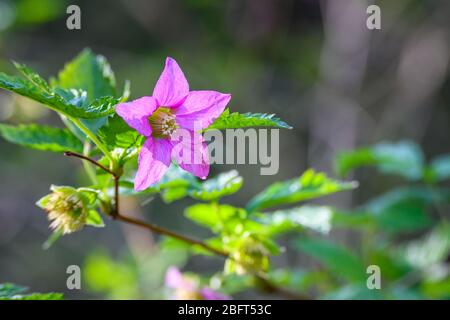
column 66, row 209
column 249, row 255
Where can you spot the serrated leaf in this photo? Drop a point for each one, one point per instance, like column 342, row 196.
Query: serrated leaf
column 403, row 158
column 317, row 218
column 177, row 184
column 68, row 102
column 36, row 296
column 41, row 137
column 89, row 72
column 336, row 258
column 33, row 76
column 215, row 188
column 235, row 120
column 310, row 185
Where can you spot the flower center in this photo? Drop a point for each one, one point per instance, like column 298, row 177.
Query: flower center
column 162, row 122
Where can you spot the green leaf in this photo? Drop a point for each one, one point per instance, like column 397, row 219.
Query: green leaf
column 41, row 137
column 334, row 257
column 241, row 120
column 9, row 291
column 433, row 248
column 353, row 292
column 440, row 168
column 215, row 188
column 439, row 289
column 88, row 72
column 317, row 218
column 174, row 178
column 117, row 134
column 70, row 103
column 308, row 186
column 405, row 210
column 177, row 183
column 213, row 216
column 403, row 158
column 32, row 76
column 353, row 220
column 94, row 219
column 172, row 194
column 39, row 296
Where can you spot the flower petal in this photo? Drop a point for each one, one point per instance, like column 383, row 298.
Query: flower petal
column 209, row 294
column 172, row 86
column 190, row 151
column 153, row 162
column 174, row 278
column 136, row 113
column 201, row 108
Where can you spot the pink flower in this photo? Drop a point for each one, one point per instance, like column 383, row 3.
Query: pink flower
column 187, row 289
column 170, row 120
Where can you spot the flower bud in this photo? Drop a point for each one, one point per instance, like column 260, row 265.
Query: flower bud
column 66, row 209
column 249, row 255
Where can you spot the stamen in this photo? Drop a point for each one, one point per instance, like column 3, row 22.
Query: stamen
column 162, row 122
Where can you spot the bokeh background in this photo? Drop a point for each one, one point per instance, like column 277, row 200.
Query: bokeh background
column 313, row 63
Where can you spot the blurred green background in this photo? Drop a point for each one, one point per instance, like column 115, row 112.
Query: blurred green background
column 313, row 63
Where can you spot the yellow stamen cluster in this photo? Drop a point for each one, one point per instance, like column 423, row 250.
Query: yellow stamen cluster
column 65, row 209
column 162, row 122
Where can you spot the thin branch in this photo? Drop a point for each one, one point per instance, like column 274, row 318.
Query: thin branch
column 268, row 285
column 78, row 155
column 172, row 234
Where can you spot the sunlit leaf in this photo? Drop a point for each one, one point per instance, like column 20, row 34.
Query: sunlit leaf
column 241, row 120
column 89, row 72
column 41, row 137
column 32, row 76
column 310, row 185
column 440, row 168
column 431, row 249
column 403, row 158
column 10, row 291
column 214, row 216
column 94, row 219
column 316, row 218
column 215, row 188
column 68, row 102
column 353, row 292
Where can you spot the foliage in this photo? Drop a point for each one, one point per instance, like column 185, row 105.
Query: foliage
column 84, row 94
column 9, row 291
column 241, row 120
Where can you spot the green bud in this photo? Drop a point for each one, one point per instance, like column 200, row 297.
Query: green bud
column 66, row 209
